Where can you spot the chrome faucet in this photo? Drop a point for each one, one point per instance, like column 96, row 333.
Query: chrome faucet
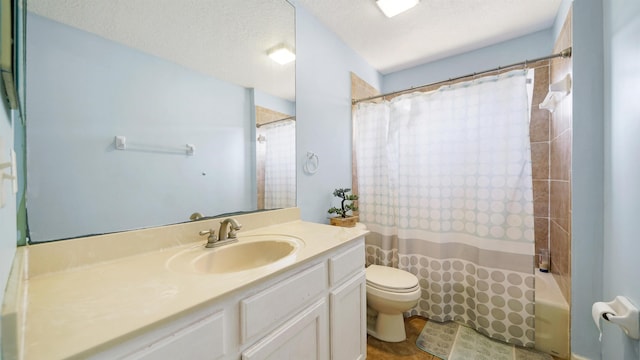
column 224, row 237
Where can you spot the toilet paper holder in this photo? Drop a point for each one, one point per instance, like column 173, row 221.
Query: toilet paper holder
column 625, row 315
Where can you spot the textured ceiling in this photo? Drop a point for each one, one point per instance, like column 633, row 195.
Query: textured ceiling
column 227, row 39
column 434, row 29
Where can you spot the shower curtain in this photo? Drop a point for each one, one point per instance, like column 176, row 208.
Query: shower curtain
column 444, row 180
column 279, row 164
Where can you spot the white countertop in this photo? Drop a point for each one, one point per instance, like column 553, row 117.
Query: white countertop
column 74, row 311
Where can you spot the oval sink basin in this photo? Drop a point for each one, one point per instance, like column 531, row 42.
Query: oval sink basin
column 249, row 253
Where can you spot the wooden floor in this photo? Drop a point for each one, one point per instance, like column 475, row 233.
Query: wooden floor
column 406, row 350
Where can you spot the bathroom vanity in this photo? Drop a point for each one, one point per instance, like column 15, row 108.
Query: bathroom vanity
column 142, row 295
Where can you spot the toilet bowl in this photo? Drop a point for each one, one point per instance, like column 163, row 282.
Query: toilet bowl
column 390, row 292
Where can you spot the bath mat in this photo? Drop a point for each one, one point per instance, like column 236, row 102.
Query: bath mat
column 451, row 341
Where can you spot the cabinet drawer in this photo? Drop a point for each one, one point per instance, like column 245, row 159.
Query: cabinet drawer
column 347, row 263
column 272, row 306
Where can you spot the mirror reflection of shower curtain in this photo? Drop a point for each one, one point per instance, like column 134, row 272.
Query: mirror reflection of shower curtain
column 279, row 164
column 445, row 188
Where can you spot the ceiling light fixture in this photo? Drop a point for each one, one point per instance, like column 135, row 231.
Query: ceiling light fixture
column 282, row 54
column 392, row 8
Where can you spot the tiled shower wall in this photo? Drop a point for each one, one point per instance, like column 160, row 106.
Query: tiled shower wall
column 539, row 132
column 560, row 170
column 551, row 162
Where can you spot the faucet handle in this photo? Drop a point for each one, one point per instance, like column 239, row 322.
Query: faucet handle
column 211, row 233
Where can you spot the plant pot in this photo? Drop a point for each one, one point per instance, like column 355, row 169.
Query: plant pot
column 349, row 221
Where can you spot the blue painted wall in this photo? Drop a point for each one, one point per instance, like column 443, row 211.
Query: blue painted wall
column 508, row 52
column 323, row 111
column 81, row 96
column 622, row 173
column 606, row 199
column 587, row 174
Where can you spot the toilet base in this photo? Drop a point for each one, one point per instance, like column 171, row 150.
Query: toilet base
column 387, row 327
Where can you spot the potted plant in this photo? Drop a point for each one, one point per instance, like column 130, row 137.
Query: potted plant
column 344, row 213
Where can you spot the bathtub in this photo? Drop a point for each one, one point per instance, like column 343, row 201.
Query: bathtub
column 552, row 317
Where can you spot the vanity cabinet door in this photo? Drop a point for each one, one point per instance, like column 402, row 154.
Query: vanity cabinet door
column 302, row 337
column 196, row 336
column 348, row 306
column 204, row 340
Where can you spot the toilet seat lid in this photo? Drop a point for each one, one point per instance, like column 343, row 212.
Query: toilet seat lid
column 388, row 278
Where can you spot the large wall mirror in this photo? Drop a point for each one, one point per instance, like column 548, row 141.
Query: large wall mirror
column 12, row 41
column 140, row 113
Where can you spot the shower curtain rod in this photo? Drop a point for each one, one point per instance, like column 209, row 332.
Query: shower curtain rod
column 275, row 121
column 564, row 54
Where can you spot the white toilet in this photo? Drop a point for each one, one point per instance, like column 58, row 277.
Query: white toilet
column 390, row 292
